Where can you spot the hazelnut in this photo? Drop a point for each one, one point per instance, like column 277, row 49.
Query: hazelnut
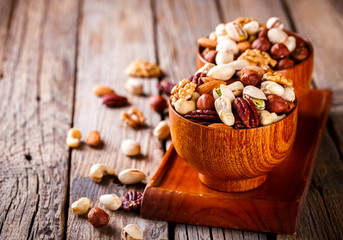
column 211, row 56
column 158, row 103
column 279, row 51
column 205, row 102
column 275, row 104
column 242, row 46
column 261, row 43
column 93, row 138
column 250, row 77
column 289, row 107
column 300, row 53
column 263, row 33
column 98, row 217
column 285, row 63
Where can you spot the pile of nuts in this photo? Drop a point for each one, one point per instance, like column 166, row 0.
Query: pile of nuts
column 236, row 94
column 259, row 44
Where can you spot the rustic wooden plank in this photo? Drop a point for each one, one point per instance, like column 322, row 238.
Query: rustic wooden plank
column 321, row 22
column 322, row 214
column 6, row 10
column 36, row 112
column 112, row 34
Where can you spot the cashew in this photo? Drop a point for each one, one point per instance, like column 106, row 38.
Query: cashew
column 73, row 138
column 131, row 176
column 226, row 92
column 277, row 118
column 236, row 88
column 81, row 206
column 206, row 68
column 131, row 232
column 289, row 94
column 130, row 147
column 220, row 29
column 162, row 131
column 110, row 201
column 239, row 64
column 134, row 86
column 227, row 45
column 221, row 72
column 251, row 27
column 223, row 108
column 270, row 87
column 265, row 117
column 195, row 97
column 97, row 171
column 276, row 35
column 183, row 106
column 224, row 57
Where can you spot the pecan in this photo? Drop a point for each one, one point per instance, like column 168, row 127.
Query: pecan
column 238, row 122
column 204, row 117
column 113, row 100
column 132, row 201
column 246, row 111
column 165, row 86
column 197, row 78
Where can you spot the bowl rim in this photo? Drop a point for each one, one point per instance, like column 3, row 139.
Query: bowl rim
column 289, row 33
column 231, row 127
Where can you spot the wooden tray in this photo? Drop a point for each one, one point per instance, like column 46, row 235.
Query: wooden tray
column 176, row 194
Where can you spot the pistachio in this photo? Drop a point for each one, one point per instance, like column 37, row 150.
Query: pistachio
column 221, row 72
column 222, row 38
column 224, row 110
column 206, row 68
column 110, row 201
column 213, row 36
column 220, row 29
column 251, row 27
column 265, row 117
column 239, row 64
column 270, row 87
column 236, row 32
column 131, row 232
column 131, row 176
column 226, row 92
column 228, row 45
column 183, row 106
column 224, row 57
column 162, row 131
column 276, row 35
column 255, row 95
column 236, row 88
column 290, row 43
column 130, row 147
column 274, row 22
column 288, row 94
column 277, row 118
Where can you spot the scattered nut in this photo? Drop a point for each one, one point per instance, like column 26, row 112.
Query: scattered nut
column 98, row 217
column 131, row 176
column 205, row 102
column 114, row 100
column 73, row 138
column 93, row 138
column 279, row 51
column 110, row 201
column 134, row 86
column 158, row 103
column 162, row 130
column 101, row 90
column 143, row 69
column 130, row 147
column 134, row 117
column 97, row 171
column 131, row 232
column 165, row 86
column 81, row 206
column 132, row 201
column 183, row 106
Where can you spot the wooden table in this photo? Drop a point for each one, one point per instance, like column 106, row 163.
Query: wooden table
column 54, row 52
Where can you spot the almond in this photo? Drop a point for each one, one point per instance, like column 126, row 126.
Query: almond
column 113, row 100
column 207, row 43
column 101, row 90
column 209, row 86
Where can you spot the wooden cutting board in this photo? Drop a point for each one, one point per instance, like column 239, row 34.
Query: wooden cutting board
column 176, row 194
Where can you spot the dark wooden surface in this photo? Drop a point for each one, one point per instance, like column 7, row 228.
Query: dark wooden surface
column 53, row 52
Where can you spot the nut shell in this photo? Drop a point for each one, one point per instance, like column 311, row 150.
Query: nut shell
column 279, row 51
column 98, row 217
column 250, row 77
column 261, row 43
column 275, row 104
column 205, row 102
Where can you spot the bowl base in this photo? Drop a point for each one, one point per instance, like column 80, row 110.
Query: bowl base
column 232, row 186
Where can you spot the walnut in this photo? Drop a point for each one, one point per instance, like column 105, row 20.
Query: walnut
column 134, row 118
column 257, row 58
column 184, row 90
column 277, row 77
column 243, row 20
column 143, row 69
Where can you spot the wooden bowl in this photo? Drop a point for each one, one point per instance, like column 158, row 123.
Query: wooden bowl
column 301, row 73
column 232, row 160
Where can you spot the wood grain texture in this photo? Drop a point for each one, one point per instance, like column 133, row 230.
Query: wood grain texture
column 112, row 34
column 6, row 10
column 36, row 110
